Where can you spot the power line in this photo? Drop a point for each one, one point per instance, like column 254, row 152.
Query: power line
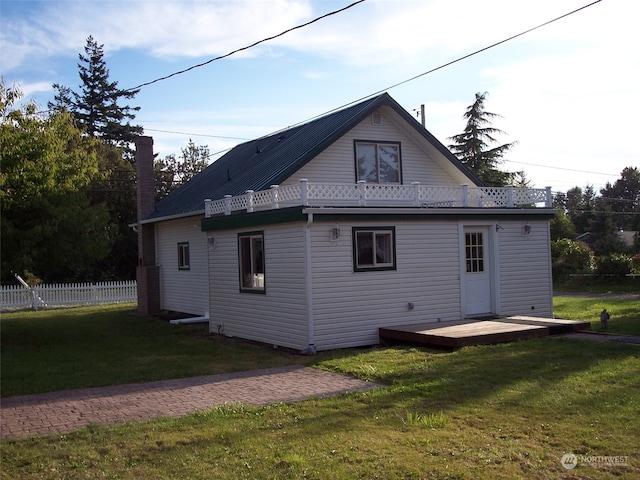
column 196, row 134
column 561, row 168
column 247, row 47
column 459, row 59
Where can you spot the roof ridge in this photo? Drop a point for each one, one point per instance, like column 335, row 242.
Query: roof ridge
column 322, row 116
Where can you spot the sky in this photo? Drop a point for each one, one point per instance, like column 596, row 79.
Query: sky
column 568, row 93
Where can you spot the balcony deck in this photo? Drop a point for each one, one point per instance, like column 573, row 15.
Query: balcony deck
column 364, row 194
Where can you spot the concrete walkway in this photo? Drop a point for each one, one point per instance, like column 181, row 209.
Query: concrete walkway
column 604, row 337
column 66, row 411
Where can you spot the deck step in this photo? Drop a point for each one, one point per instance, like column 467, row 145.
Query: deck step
column 461, row 333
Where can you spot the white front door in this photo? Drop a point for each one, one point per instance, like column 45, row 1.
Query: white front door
column 477, row 271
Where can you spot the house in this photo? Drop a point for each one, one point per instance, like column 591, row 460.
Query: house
column 316, row 236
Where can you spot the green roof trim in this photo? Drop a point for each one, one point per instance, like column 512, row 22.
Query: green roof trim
column 299, row 214
column 255, row 219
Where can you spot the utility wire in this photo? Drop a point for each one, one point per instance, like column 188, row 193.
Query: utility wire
column 247, row 47
column 196, row 134
column 459, row 59
column 561, row 168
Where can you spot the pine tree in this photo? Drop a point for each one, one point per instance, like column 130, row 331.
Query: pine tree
column 96, row 107
column 97, row 110
column 624, row 198
column 472, row 147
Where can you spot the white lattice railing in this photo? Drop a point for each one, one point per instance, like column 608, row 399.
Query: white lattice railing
column 364, row 194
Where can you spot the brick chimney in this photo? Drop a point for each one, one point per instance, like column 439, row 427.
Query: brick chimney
column 147, row 272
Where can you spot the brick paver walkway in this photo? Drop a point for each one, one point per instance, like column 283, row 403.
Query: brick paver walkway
column 66, row 411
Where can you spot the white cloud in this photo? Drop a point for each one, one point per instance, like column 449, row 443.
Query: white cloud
column 28, row 89
column 180, row 29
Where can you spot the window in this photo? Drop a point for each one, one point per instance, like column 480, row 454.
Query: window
column 251, row 255
column 474, row 252
column 378, row 162
column 183, row 256
column 374, row 249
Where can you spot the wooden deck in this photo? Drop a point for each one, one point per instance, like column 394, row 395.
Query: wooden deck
column 463, row 333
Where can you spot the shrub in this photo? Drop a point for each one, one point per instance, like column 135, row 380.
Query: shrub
column 635, row 263
column 569, row 256
column 614, row 264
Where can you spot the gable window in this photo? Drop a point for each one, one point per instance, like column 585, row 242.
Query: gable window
column 374, row 248
column 378, row 162
column 183, row 256
column 251, row 255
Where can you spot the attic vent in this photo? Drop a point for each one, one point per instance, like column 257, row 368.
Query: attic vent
column 376, row 119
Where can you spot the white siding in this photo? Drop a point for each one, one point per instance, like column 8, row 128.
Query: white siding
column 525, row 269
column 277, row 317
column 349, row 306
column 182, row 290
column 419, row 162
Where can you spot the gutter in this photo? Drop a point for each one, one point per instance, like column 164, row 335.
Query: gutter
column 311, row 348
column 193, row 213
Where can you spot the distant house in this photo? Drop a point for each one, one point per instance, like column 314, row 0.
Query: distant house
column 626, row 237
column 314, row 237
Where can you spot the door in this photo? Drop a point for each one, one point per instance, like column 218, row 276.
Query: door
column 477, row 271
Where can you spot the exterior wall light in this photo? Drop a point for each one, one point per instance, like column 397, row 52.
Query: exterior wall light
column 335, row 232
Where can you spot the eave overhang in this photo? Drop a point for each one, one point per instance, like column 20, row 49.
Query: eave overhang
column 298, row 214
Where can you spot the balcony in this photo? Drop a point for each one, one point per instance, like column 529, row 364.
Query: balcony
column 362, row 194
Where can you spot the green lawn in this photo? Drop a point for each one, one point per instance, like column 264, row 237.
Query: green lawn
column 52, row 350
column 488, row 412
column 625, row 312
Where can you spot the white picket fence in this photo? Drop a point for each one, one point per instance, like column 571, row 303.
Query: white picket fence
column 69, row 294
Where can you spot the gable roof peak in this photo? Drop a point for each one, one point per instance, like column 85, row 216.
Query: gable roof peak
column 269, row 160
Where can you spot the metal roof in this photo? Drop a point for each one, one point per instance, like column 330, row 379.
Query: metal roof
column 258, row 164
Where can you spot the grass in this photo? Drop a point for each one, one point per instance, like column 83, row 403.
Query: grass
column 52, row 350
column 625, row 313
column 487, row 412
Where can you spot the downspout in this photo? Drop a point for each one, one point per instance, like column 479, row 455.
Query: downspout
column 311, row 348
column 180, row 321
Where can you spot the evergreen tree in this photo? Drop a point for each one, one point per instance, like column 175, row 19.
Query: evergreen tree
column 624, row 198
column 580, row 206
column 605, row 239
column 472, row 147
column 96, row 107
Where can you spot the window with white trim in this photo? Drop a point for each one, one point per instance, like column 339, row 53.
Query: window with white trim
column 474, row 252
column 183, row 256
column 378, row 162
column 251, row 260
column 374, row 248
